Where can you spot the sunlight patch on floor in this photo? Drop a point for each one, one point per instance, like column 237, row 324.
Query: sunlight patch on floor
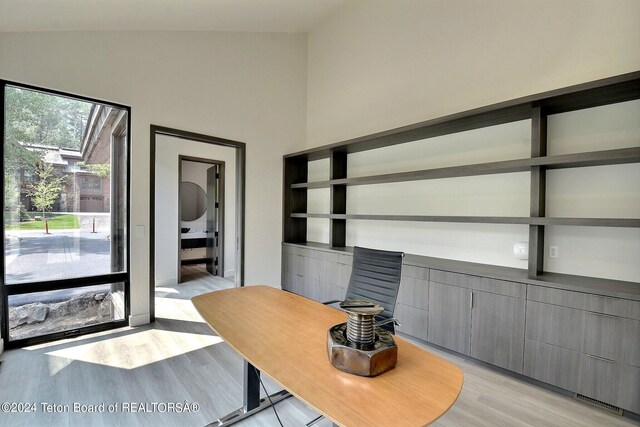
column 133, row 350
column 177, row 309
column 164, row 291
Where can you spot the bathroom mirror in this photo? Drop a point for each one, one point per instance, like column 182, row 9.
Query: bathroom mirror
column 193, row 201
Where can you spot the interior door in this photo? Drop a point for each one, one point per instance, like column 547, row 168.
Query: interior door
column 213, row 248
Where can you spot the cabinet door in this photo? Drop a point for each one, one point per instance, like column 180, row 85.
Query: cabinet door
column 497, row 330
column 449, row 317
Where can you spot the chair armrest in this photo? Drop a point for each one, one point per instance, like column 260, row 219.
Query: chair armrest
column 331, row 302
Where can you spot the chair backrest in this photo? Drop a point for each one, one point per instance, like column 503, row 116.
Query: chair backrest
column 376, row 277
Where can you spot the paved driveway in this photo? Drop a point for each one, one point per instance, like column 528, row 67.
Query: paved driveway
column 33, row 256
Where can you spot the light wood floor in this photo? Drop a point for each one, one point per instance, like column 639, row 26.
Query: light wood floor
column 179, row 359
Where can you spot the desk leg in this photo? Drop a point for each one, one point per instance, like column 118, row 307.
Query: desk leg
column 251, row 396
column 251, row 401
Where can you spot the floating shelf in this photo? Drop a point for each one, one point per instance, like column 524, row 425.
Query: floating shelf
column 584, row 222
column 594, row 158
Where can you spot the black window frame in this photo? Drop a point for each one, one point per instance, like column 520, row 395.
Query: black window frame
column 43, row 286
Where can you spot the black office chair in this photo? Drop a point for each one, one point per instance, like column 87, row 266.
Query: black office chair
column 375, row 277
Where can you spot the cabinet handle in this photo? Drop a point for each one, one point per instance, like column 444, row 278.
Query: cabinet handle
column 471, row 301
column 599, row 358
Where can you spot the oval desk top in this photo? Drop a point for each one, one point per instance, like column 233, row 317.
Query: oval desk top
column 284, row 335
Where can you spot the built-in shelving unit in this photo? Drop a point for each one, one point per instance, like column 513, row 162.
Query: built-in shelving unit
column 536, row 108
column 556, row 324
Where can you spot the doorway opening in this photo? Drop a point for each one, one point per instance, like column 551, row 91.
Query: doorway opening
column 201, row 202
column 174, row 155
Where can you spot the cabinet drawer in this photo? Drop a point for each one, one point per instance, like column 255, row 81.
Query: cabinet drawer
column 551, row 364
column 485, row 284
column 193, row 243
column 328, row 271
column 293, row 264
column 555, row 325
column 610, row 382
column 344, row 274
column 415, row 272
column 414, row 292
column 195, row 253
column 413, row 321
column 611, row 337
column 449, row 278
column 583, row 301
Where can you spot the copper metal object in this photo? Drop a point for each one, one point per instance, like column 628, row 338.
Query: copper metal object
column 359, row 346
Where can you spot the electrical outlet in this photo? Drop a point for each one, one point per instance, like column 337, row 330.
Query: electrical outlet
column 554, row 252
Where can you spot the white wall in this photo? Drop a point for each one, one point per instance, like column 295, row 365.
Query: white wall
column 167, row 242
column 381, row 64
column 241, row 86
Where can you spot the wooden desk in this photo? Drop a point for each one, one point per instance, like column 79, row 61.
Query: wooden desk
column 284, row 335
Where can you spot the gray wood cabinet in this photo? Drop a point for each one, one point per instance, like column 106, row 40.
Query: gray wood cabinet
column 555, row 325
column 612, row 337
column 497, row 330
column 478, row 316
column 552, row 364
column 319, row 275
column 413, row 321
column 414, row 292
column 449, row 317
column 582, row 342
column 610, row 382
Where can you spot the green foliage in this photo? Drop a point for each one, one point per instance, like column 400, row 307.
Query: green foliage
column 58, row 222
column 46, row 189
column 38, row 118
column 16, row 157
column 103, row 170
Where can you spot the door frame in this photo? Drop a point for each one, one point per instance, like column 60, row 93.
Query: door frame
column 219, row 219
column 240, row 149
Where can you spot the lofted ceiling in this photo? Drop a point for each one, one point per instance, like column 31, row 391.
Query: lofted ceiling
column 288, row 16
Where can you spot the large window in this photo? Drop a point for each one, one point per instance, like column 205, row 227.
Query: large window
column 65, row 214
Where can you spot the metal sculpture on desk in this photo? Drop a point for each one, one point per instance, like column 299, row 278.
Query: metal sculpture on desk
column 360, row 346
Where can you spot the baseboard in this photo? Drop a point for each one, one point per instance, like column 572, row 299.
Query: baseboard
column 172, row 281
column 139, row 319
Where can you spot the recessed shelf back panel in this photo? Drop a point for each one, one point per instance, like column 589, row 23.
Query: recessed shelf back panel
column 507, row 141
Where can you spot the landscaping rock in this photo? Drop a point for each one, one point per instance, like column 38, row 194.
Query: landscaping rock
column 73, row 306
column 28, row 314
column 105, row 308
column 35, row 319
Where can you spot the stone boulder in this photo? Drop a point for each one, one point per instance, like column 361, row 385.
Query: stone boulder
column 28, row 314
column 73, row 306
